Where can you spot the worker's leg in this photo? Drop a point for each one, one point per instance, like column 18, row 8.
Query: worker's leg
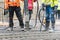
column 19, row 16
column 47, row 18
column 52, row 18
column 11, row 13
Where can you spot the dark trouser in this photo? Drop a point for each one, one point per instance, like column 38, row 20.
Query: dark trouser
column 58, row 14
column 49, row 16
column 18, row 14
column 30, row 13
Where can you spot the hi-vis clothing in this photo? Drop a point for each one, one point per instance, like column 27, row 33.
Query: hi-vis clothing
column 52, row 3
column 58, row 5
column 5, row 4
column 12, row 3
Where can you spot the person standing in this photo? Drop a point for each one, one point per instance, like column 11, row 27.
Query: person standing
column 14, row 6
column 30, row 7
column 49, row 4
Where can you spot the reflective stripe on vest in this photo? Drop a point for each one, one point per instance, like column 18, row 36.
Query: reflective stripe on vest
column 12, row 0
column 14, row 3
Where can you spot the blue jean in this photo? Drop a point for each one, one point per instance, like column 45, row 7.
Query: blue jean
column 50, row 14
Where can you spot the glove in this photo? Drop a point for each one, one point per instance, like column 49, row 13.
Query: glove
column 43, row 7
column 55, row 7
column 5, row 11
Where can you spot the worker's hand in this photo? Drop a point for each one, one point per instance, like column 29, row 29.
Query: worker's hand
column 5, row 11
column 43, row 5
column 43, row 8
column 55, row 7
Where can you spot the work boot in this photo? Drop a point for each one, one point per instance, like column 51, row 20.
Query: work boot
column 9, row 28
column 47, row 25
column 22, row 28
column 53, row 26
column 27, row 27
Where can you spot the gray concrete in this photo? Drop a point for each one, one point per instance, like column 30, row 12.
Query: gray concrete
column 33, row 34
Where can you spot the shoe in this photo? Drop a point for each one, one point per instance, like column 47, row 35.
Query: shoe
column 47, row 25
column 51, row 30
column 44, row 30
column 22, row 29
column 9, row 28
column 27, row 29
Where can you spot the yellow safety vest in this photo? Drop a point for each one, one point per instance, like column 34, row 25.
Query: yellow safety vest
column 58, row 5
column 52, row 3
column 11, row 3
